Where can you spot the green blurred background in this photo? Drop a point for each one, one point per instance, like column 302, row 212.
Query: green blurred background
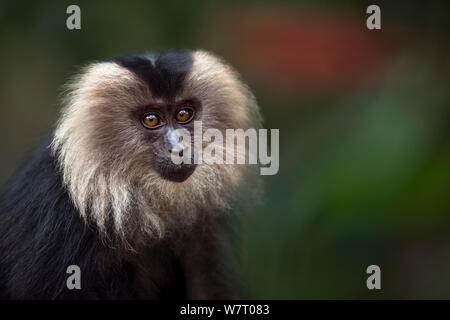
column 364, row 119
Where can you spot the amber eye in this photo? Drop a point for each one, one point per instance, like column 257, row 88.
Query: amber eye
column 151, row 121
column 184, row 115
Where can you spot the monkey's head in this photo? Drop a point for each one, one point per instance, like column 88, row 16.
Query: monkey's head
column 117, row 132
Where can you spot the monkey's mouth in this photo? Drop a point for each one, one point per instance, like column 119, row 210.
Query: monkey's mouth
column 177, row 173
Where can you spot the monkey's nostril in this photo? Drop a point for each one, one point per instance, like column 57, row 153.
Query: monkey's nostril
column 180, row 153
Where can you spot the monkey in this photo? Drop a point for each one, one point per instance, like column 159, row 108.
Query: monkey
column 101, row 192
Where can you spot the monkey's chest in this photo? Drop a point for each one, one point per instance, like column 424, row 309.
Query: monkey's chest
column 156, row 275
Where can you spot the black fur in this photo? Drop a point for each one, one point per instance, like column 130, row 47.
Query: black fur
column 163, row 71
column 41, row 234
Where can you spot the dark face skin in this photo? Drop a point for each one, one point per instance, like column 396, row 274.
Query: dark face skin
column 158, row 121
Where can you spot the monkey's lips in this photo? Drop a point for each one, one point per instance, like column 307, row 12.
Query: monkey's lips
column 177, row 173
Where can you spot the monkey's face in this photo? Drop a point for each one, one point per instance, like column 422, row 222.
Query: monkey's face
column 118, row 129
column 160, row 122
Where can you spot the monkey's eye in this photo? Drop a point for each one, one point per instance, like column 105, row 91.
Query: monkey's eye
column 184, row 115
column 151, row 121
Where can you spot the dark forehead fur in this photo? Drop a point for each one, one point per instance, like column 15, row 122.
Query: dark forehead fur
column 164, row 70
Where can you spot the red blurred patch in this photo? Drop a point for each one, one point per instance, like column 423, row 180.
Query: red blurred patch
column 291, row 49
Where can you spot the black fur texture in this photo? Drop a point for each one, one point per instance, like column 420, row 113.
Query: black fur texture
column 41, row 234
column 163, row 71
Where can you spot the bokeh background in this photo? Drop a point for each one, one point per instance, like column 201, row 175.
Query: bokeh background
column 364, row 119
